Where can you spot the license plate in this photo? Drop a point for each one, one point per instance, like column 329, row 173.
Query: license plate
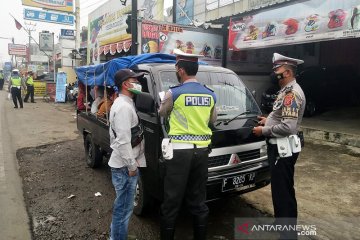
column 240, row 182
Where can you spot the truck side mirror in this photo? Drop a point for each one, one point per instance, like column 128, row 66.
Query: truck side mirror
column 145, row 102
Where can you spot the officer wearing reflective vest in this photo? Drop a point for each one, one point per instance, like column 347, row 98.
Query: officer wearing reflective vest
column 1, row 79
column 281, row 128
column 29, row 87
column 15, row 81
column 190, row 106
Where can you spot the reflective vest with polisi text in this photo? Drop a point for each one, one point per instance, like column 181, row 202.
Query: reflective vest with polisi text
column 190, row 116
column 15, row 81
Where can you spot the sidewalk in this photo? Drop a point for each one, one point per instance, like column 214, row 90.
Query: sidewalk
column 338, row 126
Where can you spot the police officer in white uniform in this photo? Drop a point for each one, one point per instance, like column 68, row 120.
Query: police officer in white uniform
column 283, row 122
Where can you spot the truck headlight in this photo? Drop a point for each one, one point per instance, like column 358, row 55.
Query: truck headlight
column 263, row 150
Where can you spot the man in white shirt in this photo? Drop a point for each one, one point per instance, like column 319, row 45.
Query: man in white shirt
column 126, row 141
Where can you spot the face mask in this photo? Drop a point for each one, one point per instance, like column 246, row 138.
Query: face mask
column 136, row 89
column 276, row 77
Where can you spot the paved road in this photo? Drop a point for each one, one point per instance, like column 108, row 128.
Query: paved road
column 31, row 126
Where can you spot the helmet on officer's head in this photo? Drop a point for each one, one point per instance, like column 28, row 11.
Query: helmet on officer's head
column 15, row 71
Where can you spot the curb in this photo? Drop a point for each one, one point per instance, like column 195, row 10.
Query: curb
column 335, row 137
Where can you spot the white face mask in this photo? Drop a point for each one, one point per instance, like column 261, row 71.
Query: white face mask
column 136, row 89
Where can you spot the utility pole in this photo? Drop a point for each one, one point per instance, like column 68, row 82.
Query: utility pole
column 134, row 28
column 30, row 27
column 174, row 10
column 77, row 17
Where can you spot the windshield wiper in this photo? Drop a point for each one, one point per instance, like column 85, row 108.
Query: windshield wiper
column 243, row 113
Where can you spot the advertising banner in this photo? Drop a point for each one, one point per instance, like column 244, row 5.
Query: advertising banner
column 164, row 38
column 46, row 41
column 17, row 49
column 57, row 5
column 107, row 26
column 184, row 11
column 50, row 17
column 60, row 87
column 314, row 20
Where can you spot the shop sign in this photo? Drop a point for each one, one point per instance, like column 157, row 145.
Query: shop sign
column 57, row 5
column 17, row 49
column 50, row 17
column 314, row 20
column 164, row 38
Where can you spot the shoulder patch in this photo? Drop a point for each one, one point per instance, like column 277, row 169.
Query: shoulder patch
column 288, row 99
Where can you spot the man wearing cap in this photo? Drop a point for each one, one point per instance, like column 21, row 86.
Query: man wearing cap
column 29, row 87
column 127, row 151
column 283, row 121
column 190, row 107
column 15, row 83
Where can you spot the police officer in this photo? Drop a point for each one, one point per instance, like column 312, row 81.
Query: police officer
column 29, row 87
column 1, row 79
column 15, row 82
column 190, row 106
column 282, row 122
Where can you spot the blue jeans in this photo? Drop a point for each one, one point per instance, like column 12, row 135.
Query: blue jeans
column 124, row 203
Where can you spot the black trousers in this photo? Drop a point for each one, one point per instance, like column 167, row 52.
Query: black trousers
column 16, row 95
column 282, row 189
column 185, row 180
column 1, row 83
column 29, row 92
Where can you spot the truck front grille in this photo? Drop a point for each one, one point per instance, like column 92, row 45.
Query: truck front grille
column 224, row 159
column 219, row 160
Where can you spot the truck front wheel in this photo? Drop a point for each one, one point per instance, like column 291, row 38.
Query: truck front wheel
column 142, row 200
column 93, row 154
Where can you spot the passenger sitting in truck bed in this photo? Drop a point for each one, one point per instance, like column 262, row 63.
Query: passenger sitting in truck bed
column 82, row 103
column 105, row 104
column 99, row 90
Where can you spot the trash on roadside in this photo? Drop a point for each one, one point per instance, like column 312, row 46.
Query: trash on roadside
column 71, row 196
column 98, row 194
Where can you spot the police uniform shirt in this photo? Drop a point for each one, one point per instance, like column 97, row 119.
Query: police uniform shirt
column 167, row 104
column 287, row 113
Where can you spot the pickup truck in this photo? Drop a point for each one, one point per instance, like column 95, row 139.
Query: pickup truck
column 238, row 161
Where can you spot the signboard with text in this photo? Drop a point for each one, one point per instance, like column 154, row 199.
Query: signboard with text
column 314, row 20
column 46, row 41
column 57, row 5
column 17, row 49
column 164, row 38
column 50, row 17
column 67, row 33
column 60, row 87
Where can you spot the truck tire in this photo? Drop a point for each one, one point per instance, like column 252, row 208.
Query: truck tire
column 93, row 154
column 142, row 200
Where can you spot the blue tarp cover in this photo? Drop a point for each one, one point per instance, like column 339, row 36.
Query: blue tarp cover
column 97, row 74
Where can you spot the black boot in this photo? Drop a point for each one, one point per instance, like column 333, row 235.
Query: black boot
column 200, row 227
column 167, row 233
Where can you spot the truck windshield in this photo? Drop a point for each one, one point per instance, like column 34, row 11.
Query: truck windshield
column 233, row 98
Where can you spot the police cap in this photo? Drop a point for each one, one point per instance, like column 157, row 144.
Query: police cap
column 280, row 60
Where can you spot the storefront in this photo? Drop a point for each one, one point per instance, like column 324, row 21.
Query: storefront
column 325, row 34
